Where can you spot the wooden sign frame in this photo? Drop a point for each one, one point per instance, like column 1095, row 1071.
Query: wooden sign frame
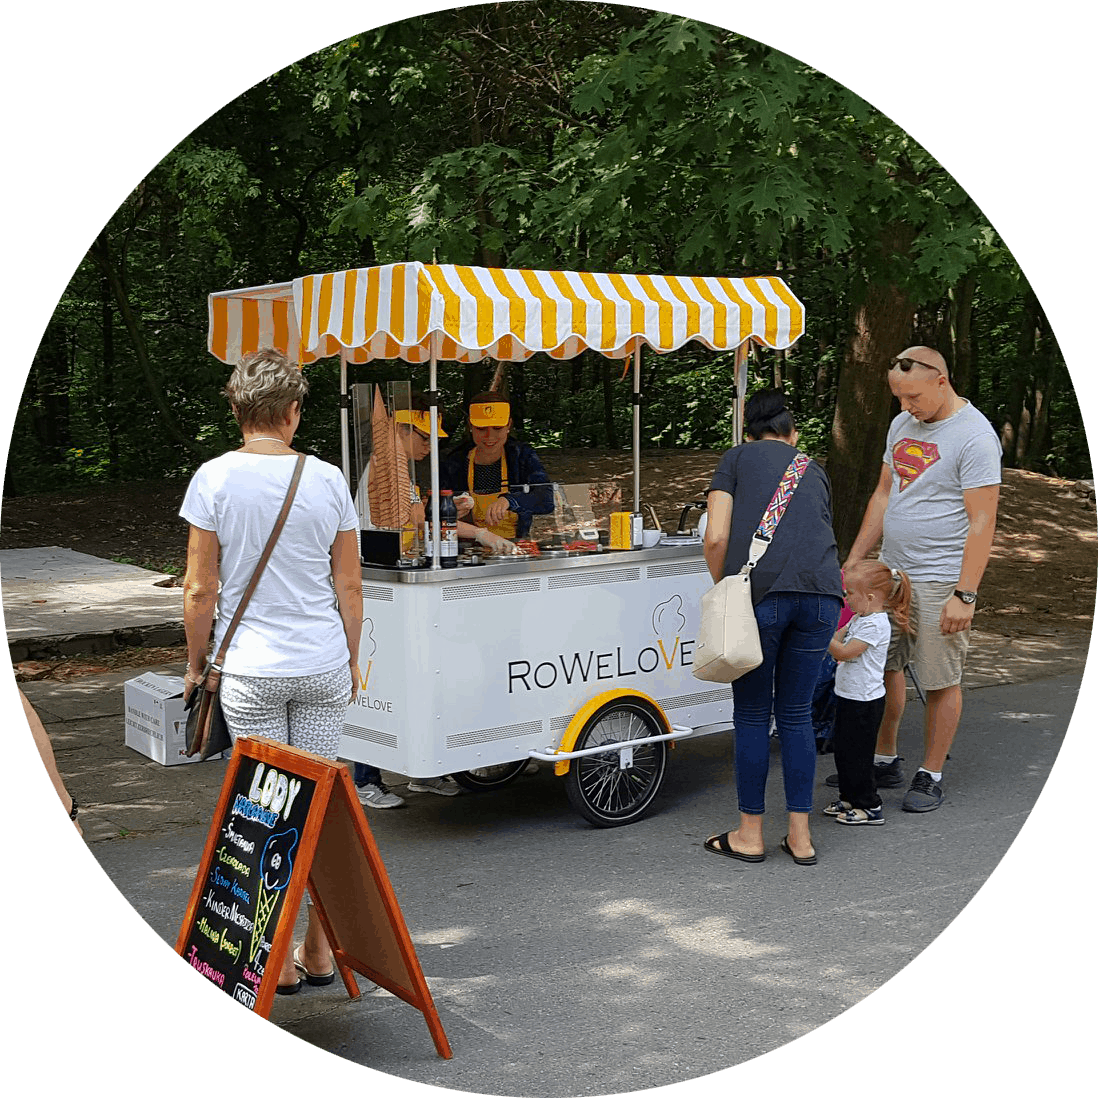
column 337, row 858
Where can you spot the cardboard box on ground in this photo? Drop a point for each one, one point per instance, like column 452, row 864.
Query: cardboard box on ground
column 156, row 722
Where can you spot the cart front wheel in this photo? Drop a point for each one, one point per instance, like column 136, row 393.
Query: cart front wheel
column 489, row 777
column 601, row 789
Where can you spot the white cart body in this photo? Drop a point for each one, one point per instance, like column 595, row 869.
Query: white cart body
column 474, row 667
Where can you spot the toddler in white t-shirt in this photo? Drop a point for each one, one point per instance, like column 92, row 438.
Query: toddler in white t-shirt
column 871, row 589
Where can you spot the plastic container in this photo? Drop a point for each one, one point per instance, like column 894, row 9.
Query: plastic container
column 411, row 544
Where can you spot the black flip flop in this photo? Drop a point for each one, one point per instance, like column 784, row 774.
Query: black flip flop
column 288, row 989
column 719, row 844
column 810, row 860
column 313, row 979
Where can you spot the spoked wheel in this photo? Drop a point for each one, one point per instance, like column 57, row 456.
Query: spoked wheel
column 599, row 787
column 489, row 777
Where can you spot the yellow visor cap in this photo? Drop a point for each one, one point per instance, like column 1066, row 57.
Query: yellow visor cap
column 421, row 421
column 495, row 414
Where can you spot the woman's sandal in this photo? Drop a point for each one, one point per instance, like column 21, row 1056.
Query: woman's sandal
column 810, row 860
column 314, row 979
column 719, row 844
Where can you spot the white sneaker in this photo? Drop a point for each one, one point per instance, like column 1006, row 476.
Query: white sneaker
column 378, row 796
column 444, row 787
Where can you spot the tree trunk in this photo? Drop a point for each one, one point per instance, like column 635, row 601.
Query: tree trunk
column 962, row 296
column 1015, row 428
column 881, row 327
column 100, row 252
column 608, row 403
column 1025, row 425
column 50, row 375
column 109, row 408
column 1008, row 436
column 793, row 382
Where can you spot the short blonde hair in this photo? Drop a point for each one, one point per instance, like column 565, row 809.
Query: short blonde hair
column 263, row 388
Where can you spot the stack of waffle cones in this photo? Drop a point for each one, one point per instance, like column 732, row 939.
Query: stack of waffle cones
column 390, row 486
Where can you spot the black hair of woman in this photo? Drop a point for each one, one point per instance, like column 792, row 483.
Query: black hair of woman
column 766, row 414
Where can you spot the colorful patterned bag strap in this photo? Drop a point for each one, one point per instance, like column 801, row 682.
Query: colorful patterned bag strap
column 762, row 537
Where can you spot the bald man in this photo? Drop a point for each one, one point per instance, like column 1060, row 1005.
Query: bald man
column 935, row 504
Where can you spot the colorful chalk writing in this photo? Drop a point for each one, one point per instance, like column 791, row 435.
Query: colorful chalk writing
column 252, row 865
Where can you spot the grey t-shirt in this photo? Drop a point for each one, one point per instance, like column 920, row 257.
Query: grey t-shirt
column 803, row 556
column 933, row 465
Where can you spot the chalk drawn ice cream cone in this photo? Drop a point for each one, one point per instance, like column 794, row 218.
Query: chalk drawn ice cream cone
column 276, row 865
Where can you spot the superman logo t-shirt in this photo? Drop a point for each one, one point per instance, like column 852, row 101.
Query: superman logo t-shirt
column 933, row 465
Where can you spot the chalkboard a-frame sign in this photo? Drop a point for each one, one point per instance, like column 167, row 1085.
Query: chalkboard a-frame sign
column 286, row 819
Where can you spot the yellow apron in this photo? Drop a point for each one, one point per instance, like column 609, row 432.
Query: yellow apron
column 508, row 525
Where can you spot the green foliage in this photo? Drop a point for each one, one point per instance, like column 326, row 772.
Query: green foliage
column 542, row 133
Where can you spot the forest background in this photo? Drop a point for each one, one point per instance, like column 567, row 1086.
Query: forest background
column 550, row 134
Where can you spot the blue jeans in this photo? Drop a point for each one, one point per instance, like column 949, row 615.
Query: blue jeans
column 794, row 630
column 365, row 774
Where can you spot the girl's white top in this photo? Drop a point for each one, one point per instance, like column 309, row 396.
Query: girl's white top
column 862, row 679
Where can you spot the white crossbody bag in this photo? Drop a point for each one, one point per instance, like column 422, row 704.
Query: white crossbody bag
column 728, row 636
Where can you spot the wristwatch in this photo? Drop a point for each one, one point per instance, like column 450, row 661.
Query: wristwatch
column 967, row 597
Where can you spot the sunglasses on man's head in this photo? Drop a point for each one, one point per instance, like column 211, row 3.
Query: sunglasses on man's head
column 905, row 364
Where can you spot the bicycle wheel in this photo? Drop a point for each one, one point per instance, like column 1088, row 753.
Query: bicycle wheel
column 603, row 791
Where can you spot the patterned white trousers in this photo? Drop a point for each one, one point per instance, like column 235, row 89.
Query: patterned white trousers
column 305, row 711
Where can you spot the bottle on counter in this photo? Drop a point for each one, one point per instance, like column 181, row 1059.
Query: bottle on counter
column 428, row 545
column 448, row 534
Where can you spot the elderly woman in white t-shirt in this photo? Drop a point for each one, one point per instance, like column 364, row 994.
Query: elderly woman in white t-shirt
column 291, row 669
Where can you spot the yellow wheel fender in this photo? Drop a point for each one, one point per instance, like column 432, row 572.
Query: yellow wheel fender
column 577, row 724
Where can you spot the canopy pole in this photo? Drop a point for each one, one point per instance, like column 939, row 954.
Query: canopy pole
column 637, row 427
column 344, row 417
column 739, row 374
column 436, row 554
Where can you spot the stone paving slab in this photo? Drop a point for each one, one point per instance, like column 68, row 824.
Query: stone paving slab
column 58, row 602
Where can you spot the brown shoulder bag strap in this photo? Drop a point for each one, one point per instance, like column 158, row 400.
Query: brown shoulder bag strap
column 215, row 666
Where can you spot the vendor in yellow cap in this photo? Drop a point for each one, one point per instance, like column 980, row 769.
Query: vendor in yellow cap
column 491, row 474
column 413, row 440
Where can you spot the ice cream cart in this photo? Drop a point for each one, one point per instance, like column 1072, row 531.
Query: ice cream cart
column 582, row 660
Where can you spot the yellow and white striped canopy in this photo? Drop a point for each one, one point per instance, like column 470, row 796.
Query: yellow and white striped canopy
column 470, row 313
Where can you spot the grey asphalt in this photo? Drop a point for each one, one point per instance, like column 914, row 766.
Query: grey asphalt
column 566, row 960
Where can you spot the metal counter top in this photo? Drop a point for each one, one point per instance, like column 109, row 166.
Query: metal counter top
column 522, row 566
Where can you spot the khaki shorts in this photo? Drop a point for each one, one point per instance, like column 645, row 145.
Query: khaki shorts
column 938, row 658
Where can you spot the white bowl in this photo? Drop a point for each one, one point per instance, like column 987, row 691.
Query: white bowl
column 651, row 538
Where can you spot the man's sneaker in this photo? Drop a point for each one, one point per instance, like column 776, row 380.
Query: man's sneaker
column 862, row 816
column 888, row 775
column 837, row 808
column 925, row 794
column 444, row 787
column 378, row 796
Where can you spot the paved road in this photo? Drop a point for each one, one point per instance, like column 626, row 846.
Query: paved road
column 566, row 960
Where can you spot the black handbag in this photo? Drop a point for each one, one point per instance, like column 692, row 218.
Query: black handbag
column 207, row 732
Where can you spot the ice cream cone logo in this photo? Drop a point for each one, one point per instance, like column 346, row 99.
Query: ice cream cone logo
column 668, row 623
column 366, row 649
column 276, row 866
